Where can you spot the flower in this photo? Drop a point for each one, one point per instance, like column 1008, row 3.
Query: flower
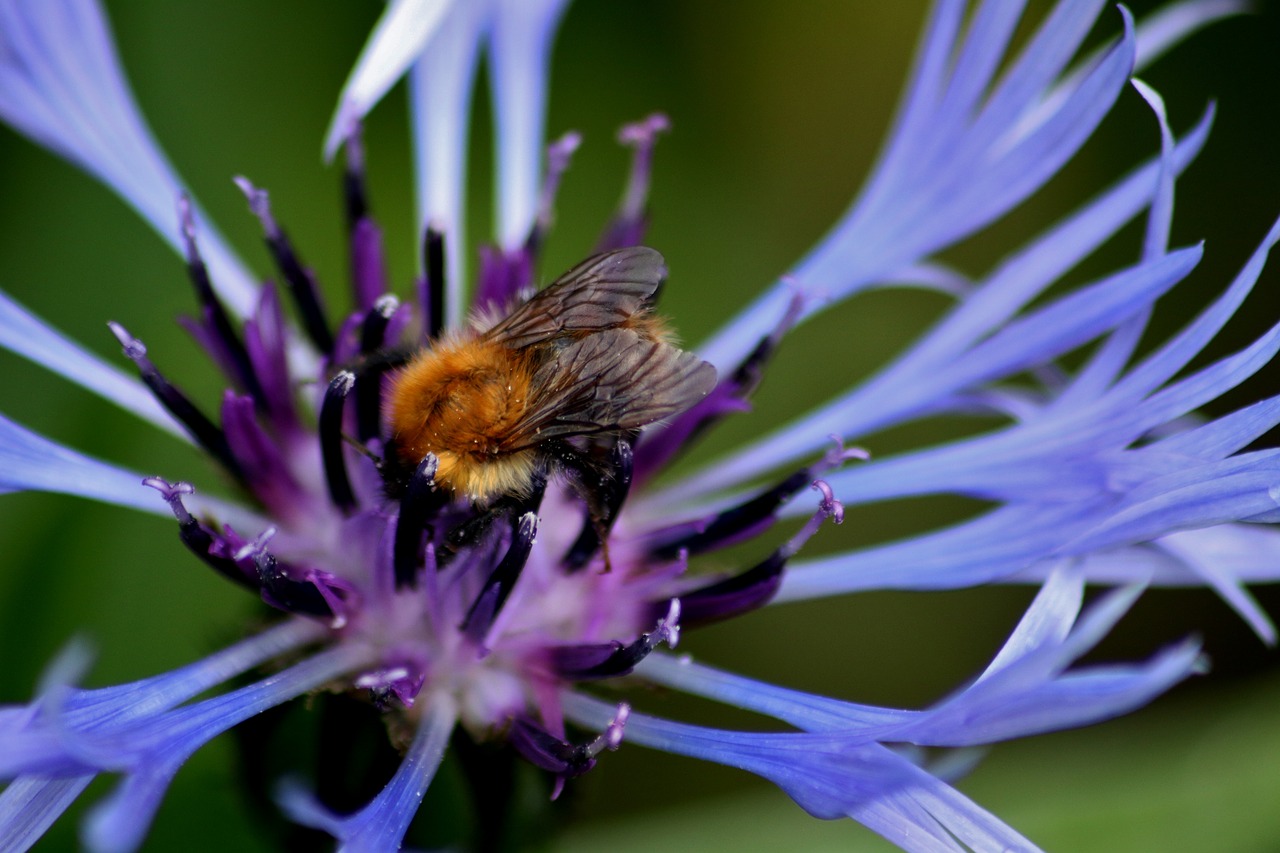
column 402, row 596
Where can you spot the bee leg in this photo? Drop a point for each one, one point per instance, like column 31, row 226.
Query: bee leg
column 605, row 486
column 471, row 531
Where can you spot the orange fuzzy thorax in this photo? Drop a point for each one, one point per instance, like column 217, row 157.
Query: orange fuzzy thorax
column 462, row 401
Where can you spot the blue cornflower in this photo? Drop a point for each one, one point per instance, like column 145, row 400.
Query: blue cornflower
column 511, row 616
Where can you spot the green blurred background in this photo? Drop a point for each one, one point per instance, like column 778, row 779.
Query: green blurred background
column 778, row 110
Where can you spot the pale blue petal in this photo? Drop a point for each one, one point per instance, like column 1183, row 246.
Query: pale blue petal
column 1034, row 339
column 804, row 710
column 519, row 57
column 1172, row 356
column 153, row 749
column 35, row 737
column 62, row 85
column 881, row 401
column 918, row 173
column 27, row 335
column 1047, row 621
column 1166, row 27
column 29, row 462
column 828, row 777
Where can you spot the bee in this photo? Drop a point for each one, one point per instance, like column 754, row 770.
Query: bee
column 578, row 365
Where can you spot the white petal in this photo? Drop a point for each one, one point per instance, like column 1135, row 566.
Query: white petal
column 402, row 33
column 440, row 88
column 520, row 48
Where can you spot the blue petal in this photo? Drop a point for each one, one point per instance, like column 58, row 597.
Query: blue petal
column 829, row 778
column 151, row 750
column 440, row 90
column 520, row 50
column 381, row 824
column 880, row 401
column 31, row 462
column 62, row 86
column 30, row 805
column 30, row 337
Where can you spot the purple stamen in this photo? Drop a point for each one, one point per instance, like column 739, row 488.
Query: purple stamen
column 748, row 518
column 369, row 385
column 219, row 336
column 756, row 586
column 503, row 276
column 267, row 473
column 413, row 524
column 399, row 682
column 300, row 281
column 199, row 540
column 368, row 263
column 631, row 221
column 433, row 283
column 586, row 662
column 498, row 587
column 284, row 593
column 560, row 757
column 353, row 177
column 206, row 433
column 559, row 155
column 330, row 429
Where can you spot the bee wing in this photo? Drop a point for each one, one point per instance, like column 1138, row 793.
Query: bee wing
column 603, row 291
column 612, row 380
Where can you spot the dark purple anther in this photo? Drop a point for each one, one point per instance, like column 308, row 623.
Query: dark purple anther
column 501, row 581
column 420, row 503
column 587, row 662
column 368, row 260
column 216, row 332
column 433, row 283
column 369, row 385
column 206, row 433
column 732, row 525
column 330, row 429
column 198, row 539
column 751, row 517
column 470, row 532
column 607, row 495
column 632, row 219
column 732, row 596
column 757, row 585
column 301, row 283
column 283, row 592
column 558, row 756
